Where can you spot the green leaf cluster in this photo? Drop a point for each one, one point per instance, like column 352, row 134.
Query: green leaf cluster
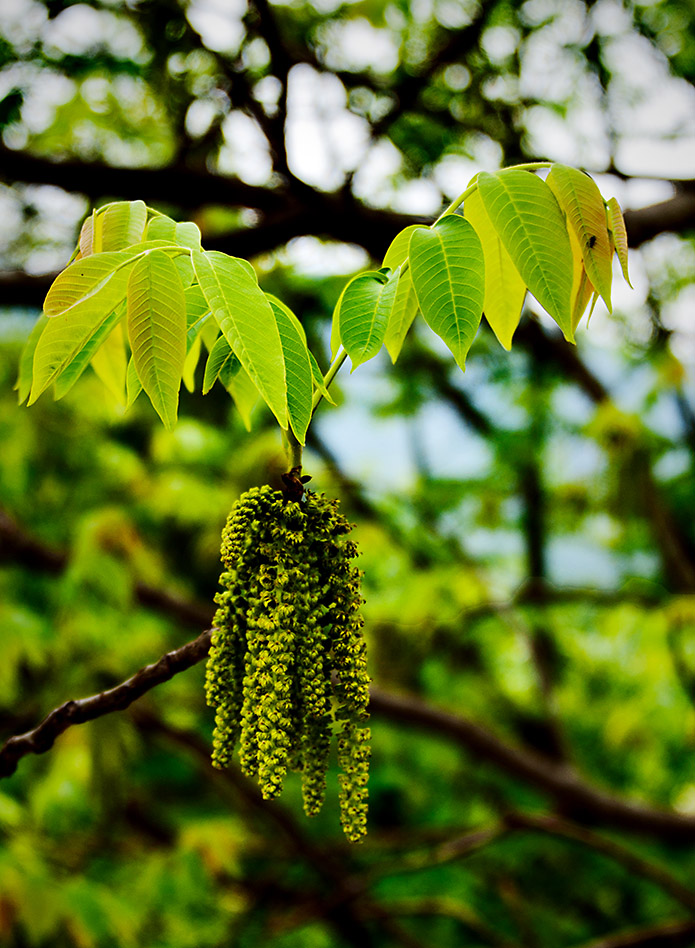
column 139, row 270
column 554, row 238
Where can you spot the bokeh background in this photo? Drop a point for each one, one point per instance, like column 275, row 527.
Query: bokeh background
column 526, row 529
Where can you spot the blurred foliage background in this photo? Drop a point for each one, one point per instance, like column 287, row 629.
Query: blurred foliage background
column 527, row 529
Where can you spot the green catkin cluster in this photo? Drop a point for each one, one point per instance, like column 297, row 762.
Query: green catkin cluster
column 288, row 658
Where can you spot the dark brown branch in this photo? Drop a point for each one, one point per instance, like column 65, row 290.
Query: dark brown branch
column 560, row 783
column 676, row 215
column 183, row 187
column 41, row 738
column 670, row 935
column 632, row 861
column 583, row 801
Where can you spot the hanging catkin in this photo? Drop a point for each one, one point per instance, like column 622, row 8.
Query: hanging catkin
column 288, row 659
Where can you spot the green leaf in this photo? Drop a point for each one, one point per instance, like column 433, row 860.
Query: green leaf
column 504, row 288
column 244, row 394
column 580, row 199
column 133, row 385
column 100, row 274
column 157, row 330
column 187, row 234
column 110, row 362
column 74, row 369
column 300, row 389
column 86, row 239
column 528, row 219
column 245, row 317
column 582, row 289
column 616, row 223
column 405, row 307
column 119, row 225
column 398, row 250
column 162, row 227
column 363, row 314
column 26, row 362
column 221, row 362
column 448, row 272
column 191, row 362
column 196, row 304
column 319, row 384
column 71, row 337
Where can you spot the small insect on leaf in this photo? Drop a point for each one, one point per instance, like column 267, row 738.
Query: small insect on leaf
column 591, row 242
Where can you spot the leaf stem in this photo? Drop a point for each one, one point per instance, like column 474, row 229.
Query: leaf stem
column 333, row 369
column 527, row 166
column 293, row 448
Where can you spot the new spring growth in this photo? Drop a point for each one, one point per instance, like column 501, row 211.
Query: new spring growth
column 287, row 666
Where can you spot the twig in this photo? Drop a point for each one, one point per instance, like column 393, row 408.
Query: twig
column 670, row 935
column 41, row 738
column 636, row 864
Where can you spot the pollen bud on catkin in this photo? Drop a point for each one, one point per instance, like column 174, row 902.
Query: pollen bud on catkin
column 288, row 659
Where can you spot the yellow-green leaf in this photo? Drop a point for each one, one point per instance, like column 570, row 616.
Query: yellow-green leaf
column 110, row 363
column 191, row 363
column 222, row 364
column 157, row 330
column 363, row 314
column 244, row 395
column 504, row 288
column 448, row 271
column 133, row 385
column 616, row 223
column 69, row 341
column 84, row 279
column 582, row 289
column 245, row 317
column 405, row 307
column 580, row 199
column 300, row 387
column 397, row 253
column 528, row 219
column 26, row 362
column 122, row 224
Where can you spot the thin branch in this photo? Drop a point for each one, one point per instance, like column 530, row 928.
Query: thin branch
column 671, row 935
column 632, row 861
column 585, row 802
column 41, row 738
